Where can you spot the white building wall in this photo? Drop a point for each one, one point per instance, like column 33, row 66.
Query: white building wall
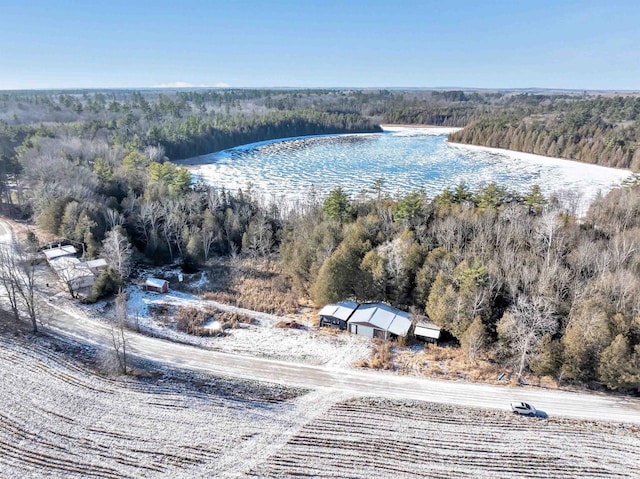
column 362, row 330
column 83, row 282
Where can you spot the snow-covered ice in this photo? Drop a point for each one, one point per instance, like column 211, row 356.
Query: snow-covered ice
column 405, row 158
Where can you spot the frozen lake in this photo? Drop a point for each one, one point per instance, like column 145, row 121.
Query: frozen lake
column 405, row 158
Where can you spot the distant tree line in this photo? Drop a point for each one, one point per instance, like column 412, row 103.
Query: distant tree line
column 596, row 129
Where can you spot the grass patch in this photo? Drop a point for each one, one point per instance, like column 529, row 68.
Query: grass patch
column 208, row 321
column 450, row 361
column 255, row 284
column 381, row 356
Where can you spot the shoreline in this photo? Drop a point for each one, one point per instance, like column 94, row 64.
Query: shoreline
column 483, row 164
column 439, row 130
column 520, row 155
column 531, row 157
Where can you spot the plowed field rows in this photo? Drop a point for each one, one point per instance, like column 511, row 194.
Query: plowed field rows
column 59, row 419
column 375, row 438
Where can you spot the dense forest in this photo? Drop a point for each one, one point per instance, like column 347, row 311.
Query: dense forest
column 515, row 275
column 518, row 276
column 601, row 130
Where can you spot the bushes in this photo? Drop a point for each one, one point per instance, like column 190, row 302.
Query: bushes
column 108, row 283
column 381, row 356
column 202, row 322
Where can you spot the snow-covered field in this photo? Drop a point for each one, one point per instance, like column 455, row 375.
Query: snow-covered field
column 61, row 420
column 379, row 438
column 261, row 338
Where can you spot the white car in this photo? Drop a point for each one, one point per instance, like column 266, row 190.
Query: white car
column 523, row 408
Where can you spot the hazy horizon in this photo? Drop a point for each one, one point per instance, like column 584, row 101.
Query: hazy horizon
column 324, row 87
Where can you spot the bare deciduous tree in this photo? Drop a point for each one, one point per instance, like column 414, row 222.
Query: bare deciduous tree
column 258, row 237
column 210, row 232
column 547, row 229
column 117, row 251
column 67, row 271
column 524, row 324
column 8, row 279
column 113, row 218
column 474, row 339
column 17, row 276
column 118, row 337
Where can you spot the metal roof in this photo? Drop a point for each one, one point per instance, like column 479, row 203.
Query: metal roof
column 60, row 251
column 382, row 316
column 97, row 263
column 155, row 282
column 69, row 268
column 427, row 330
column 342, row 310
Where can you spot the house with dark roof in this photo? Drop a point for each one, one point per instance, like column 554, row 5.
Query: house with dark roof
column 375, row 320
column 336, row 315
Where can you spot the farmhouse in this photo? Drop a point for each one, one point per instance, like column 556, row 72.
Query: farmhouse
column 77, row 275
column 375, row 320
column 379, row 320
column 73, row 272
column 336, row 315
column 157, row 285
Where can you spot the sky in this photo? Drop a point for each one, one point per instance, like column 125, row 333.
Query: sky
column 585, row 45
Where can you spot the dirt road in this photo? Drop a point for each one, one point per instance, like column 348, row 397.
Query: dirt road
column 354, row 382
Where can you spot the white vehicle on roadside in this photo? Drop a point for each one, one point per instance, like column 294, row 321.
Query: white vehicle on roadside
column 523, row 408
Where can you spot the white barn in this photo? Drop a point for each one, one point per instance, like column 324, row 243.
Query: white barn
column 379, row 320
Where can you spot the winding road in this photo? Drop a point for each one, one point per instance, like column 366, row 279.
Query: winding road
column 589, row 406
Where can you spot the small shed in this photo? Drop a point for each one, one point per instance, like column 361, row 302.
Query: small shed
column 379, row 320
column 157, row 285
column 97, row 265
column 427, row 331
column 336, row 315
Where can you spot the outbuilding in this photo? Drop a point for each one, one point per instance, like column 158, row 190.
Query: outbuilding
column 427, row 331
column 379, row 320
column 157, row 285
column 60, row 252
column 336, row 315
column 97, row 265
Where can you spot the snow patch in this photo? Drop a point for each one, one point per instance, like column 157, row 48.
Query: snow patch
column 261, row 338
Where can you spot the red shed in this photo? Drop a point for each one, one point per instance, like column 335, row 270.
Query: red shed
column 157, row 285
